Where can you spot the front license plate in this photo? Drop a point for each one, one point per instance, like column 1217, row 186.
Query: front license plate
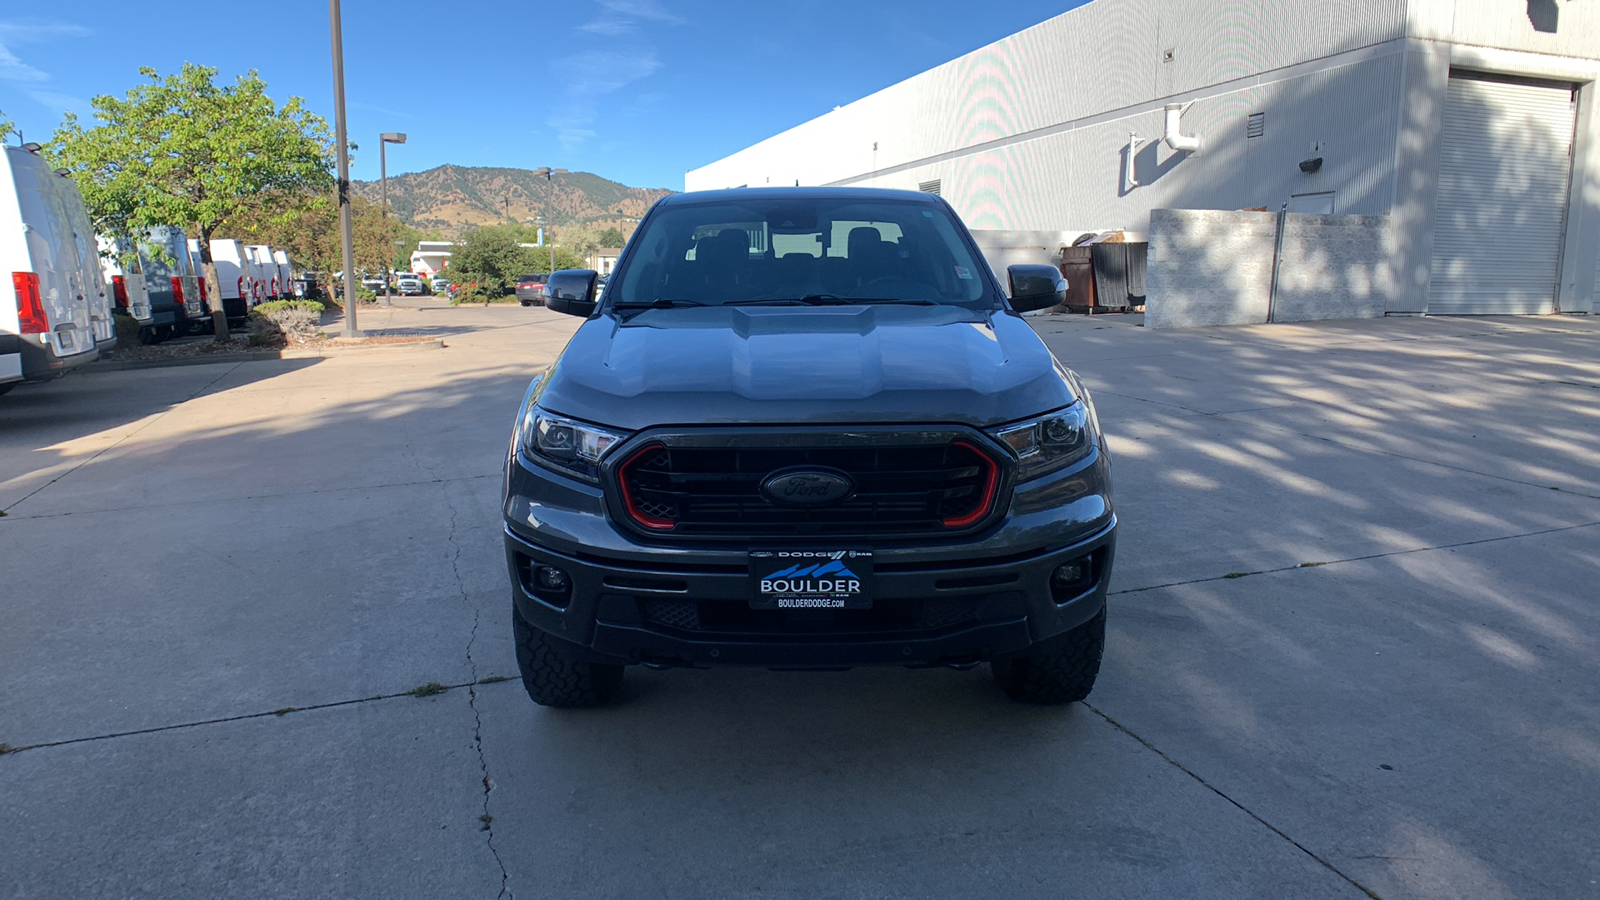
column 811, row 579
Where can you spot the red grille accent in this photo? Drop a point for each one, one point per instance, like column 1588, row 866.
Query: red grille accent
column 639, row 513
column 990, row 482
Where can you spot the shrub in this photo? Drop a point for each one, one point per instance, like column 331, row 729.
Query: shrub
column 297, row 319
column 478, row 293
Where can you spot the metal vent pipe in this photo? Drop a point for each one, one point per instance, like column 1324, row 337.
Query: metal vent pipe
column 1175, row 137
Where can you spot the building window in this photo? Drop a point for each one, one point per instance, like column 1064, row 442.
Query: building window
column 930, row 187
column 1256, row 126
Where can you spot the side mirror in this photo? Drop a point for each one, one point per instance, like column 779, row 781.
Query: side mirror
column 1036, row 287
column 571, row 291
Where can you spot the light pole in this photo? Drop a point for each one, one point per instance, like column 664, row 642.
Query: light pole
column 549, row 175
column 545, row 236
column 384, row 140
column 343, row 149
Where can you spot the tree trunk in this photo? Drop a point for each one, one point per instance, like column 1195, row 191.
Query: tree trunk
column 208, row 270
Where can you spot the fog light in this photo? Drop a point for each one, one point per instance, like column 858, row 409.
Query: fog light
column 1070, row 574
column 551, row 579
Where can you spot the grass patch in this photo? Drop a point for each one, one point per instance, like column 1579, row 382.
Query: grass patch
column 485, row 819
column 428, row 690
column 495, row 679
column 1310, row 565
column 285, row 711
column 1236, row 574
column 7, row 748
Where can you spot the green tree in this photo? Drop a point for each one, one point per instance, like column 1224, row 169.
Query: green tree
column 183, row 150
column 6, row 128
column 487, row 260
column 612, row 237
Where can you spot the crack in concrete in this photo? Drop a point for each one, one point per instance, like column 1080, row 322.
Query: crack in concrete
column 119, row 441
column 1240, row 806
column 472, row 700
column 1331, row 562
column 244, row 717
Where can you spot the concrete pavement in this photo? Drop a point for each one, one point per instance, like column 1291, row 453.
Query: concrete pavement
column 1352, row 646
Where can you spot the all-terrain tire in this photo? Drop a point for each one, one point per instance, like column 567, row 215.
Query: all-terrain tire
column 1059, row 670
column 556, row 673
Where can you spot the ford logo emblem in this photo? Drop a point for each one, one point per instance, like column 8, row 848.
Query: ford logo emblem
column 807, row 487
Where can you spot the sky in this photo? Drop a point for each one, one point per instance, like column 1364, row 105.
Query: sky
column 638, row 91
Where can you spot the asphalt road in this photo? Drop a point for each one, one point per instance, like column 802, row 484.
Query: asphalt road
column 1353, row 647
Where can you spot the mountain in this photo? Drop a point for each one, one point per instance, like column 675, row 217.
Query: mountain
column 451, row 198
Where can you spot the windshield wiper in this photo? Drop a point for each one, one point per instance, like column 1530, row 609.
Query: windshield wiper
column 828, row 300
column 659, row 303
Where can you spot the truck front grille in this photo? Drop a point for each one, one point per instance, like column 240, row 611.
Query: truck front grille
column 925, row 486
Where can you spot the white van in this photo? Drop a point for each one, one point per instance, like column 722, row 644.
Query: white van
column 285, row 274
column 87, row 252
column 49, row 327
column 267, row 269
column 235, row 275
column 119, row 259
column 165, row 250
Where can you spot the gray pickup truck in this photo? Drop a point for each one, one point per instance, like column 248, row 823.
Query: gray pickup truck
column 807, row 428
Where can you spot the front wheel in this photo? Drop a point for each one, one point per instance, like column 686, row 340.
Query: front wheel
column 1059, row 670
column 557, row 673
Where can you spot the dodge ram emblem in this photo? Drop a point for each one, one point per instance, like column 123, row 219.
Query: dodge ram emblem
column 807, row 487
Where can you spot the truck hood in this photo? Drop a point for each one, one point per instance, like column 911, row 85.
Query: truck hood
column 798, row 365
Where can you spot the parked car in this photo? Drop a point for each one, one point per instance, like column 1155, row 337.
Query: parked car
column 124, row 275
column 170, row 283
column 266, row 272
column 530, row 289
column 235, row 276
column 85, row 251
column 308, row 285
column 409, row 285
column 855, row 453
column 203, row 324
column 49, row 327
column 439, row 285
column 373, row 283
column 285, row 270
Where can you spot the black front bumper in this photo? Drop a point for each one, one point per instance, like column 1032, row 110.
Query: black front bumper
column 947, row 604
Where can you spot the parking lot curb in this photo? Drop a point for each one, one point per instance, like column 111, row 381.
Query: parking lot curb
column 256, row 356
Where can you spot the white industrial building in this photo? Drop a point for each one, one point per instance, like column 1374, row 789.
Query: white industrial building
column 431, row 257
column 1450, row 149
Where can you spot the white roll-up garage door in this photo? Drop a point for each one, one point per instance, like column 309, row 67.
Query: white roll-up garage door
column 1504, row 169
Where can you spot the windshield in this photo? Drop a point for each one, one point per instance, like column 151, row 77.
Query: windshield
column 804, row 249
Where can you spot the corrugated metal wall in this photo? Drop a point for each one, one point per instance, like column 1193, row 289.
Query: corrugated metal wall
column 1559, row 27
column 1077, row 75
column 1078, row 175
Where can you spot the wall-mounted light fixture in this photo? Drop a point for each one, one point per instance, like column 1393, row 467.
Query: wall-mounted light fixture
column 1311, row 165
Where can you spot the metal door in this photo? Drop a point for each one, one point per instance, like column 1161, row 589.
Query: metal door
column 1505, row 167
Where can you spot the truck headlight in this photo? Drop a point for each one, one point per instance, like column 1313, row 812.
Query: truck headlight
column 1052, row 441
column 567, row 445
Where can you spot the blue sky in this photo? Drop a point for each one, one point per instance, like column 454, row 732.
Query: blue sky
column 634, row 90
